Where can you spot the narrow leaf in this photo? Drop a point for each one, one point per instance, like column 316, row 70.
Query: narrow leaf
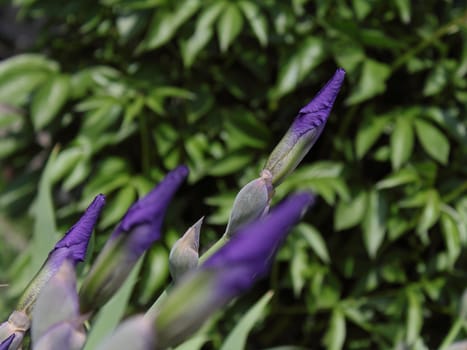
column 237, row 338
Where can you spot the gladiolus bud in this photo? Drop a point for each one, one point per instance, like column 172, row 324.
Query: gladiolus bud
column 227, row 273
column 71, row 247
column 138, row 230
column 305, row 130
column 251, row 202
column 184, row 255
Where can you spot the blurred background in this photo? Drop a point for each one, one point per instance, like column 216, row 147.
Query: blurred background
column 107, row 96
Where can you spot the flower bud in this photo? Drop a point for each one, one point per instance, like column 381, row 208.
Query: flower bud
column 305, row 130
column 71, row 247
column 251, row 202
column 184, row 255
column 138, row 230
column 226, row 274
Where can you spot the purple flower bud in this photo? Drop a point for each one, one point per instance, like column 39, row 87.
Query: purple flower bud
column 138, row 230
column 5, row 345
column 305, row 130
column 143, row 221
column 77, row 238
column 227, row 273
column 249, row 254
column 71, row 247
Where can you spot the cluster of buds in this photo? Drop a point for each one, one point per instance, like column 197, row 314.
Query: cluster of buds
column 56, row 311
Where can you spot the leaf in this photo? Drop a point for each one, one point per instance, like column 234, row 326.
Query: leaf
column 111, row 314
column 229, row 26
column 374, row 224
column 229, row 164
column 256, row 19
column 15, row 88
column 404, row 8
column 433, row 141
column 298, row 267
column 350, row 213
column 372, row 82
column 203, row 33
column 44, row 232
column 368, row 134
column 336, row 333
column 236, row 340
column 165, row 24
column 314, row 239
column 401, row 177
column 48, row 100
column 402, row 140
column 430, row 212
column 414, row 315
column 297, row 66
column 451, row 237
column 66, row 160
column 115, row 210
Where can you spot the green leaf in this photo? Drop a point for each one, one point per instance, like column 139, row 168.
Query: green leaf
column 298, row 268
column 372, row 82
column 430, row 212
column 336, row 333
column 256, row 19
column 165, row 24
column 15, row 88
column 433, row 141
column 297, row 66
column 229, row 26
column 315, row 240
column 414, row 315
column 368, row 134
column 237, row 338
column 203, row 33
column 451, row 237
column 229, row 164
column 48, row 100
column 404, row 8
column 44, row 237
column 401, row 177
column 111, row 314
column 350, row 213
column 374, row 224
column 65, row 162
column 402, row 140
column 115, row 210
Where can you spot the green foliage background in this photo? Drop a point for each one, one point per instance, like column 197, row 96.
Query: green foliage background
column 115, row 93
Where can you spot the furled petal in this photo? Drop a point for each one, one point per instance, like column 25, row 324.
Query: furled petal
column 71, row 247
column 248, row 255
column 5, row 345
column 226, row 274
column 142, row 222
column 304, row 131
column 77, row 238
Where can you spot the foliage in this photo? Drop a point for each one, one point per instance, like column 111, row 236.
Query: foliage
column 128, row 89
